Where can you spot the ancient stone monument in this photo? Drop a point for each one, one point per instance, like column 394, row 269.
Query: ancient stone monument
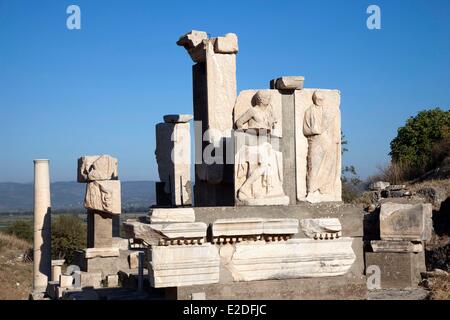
column 265, row 219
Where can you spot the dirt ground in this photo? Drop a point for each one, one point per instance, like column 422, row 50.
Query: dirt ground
column 15, row 274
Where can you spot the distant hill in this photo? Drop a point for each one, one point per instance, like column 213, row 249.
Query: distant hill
column 18, row 197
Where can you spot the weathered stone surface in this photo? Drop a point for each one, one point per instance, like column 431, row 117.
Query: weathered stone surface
column 349, row 215
column 99, row 229
column 65, row 281
column 193, row 42
column 141, row 231
column 163, row 215
column 59, row 262
column 91, row 279
column 395, row 246
column 177, row 266
column 406, row 221
column 192, row 39
column 133, row 260
column 259, row 109
column 288, row 83
column 181, row 230
column 101, row 253
column 178, row 118
column 227, row 44
column 241, row 227
column 379, row 185
column 56, row 272
column 328, row 228
column 97, row 168
column 318, row 145
column 153, row 234
column 352, row 285
column 104, row 196
column 258, row 169
column 42, row 227
column 398, row 270
column 173, row 155
column 296, row 258
column 112, row 280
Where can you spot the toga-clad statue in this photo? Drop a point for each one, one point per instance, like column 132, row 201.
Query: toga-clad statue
column 322, row 128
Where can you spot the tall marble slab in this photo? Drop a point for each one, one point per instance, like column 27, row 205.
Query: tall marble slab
column 214, row 95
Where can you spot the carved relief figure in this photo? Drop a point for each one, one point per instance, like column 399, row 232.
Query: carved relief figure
column 261, row 116
column 259, row 167
column 321, row 127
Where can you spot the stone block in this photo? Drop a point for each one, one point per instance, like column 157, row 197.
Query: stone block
column 242, row 228
column 350, row 216
column 105, row 266
column 104, row 196
column 323, row 229
column 97, row 168
column 379, row 185
column 198, row 296
column 133, row 260
column 91, row 279
column 163, row 215
column 396, row 246
column 177, row 266
column 192, row 39
column 159, row 234
column 177, row 118
column 173, row 155
column 227, row 44
column 295, row 258
column 288, row 83
column 56, row 272
column 397, row 270
column 101, row 252
column 66, row 281
column 406, row 221
column 181, row 230
column 112, row 280
column 99, row 229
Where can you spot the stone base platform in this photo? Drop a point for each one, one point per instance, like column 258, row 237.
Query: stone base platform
column 351, row 285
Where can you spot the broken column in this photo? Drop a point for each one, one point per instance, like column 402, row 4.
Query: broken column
column 103, row 203
column 173, row 155
column 42, row 260
column 214, row 92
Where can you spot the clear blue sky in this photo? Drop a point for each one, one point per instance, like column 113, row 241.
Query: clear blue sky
column 102, row 89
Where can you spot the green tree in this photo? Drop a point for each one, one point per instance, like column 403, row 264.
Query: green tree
column 414, row 148
column 68, row 235
column 22, row 229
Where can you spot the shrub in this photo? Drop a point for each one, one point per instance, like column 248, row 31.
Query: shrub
column 68, row 235
column 417, row 149
column 22, row 229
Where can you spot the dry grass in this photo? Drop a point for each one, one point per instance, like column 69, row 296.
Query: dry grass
column 440, row 287
column 10, row 241
column 15, row 274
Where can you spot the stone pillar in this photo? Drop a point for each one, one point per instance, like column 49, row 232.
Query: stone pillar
column 42, row 226
column 214, row 93
column 173, row 155
column 287, row 86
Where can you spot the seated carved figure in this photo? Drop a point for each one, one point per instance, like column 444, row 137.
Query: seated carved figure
column 262, row 168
